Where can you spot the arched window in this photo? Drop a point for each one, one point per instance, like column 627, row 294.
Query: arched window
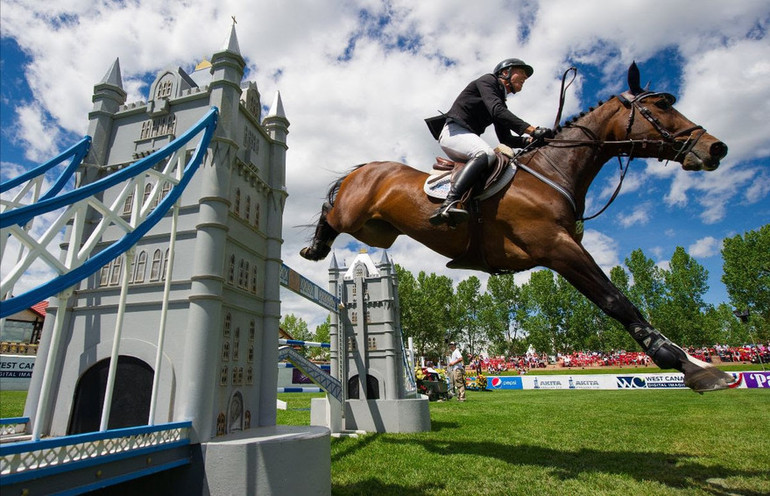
column 157, row 260
column 246, row 273
column 228, row 324
column 164, row 268
column 231, row 270
column 128, row 204
column 165, row 189
column 254, row 279
column 104, row 275
column 237, row 202
column 241, row 273
column 256, row 216
column 147, row 192
column 247, row 209
column 141, row 265
column 117, row 264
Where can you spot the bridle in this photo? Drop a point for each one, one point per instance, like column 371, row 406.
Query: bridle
column 635, row 103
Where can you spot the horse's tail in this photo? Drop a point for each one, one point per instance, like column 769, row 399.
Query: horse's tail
column 331, row 196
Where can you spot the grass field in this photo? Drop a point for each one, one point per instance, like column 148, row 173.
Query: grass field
column 567, row 442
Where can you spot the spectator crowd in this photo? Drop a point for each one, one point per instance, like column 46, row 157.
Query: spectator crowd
column 616, row 358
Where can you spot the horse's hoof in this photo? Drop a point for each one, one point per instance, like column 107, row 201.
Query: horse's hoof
column 314, row 253
column 309, row 254
column 708, row 379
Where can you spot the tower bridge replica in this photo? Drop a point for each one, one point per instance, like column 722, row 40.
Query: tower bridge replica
column 157, row 365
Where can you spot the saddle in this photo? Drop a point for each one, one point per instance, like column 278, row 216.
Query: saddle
column 439, row 181
column 437, row 186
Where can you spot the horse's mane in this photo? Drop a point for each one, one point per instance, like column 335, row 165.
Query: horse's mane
column 570, row 122
column 573, row 120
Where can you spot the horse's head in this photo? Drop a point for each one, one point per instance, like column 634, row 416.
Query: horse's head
column 664, row 133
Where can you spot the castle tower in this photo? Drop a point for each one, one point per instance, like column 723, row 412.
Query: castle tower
column 380, row 395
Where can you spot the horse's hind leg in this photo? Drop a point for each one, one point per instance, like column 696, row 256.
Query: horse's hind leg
column 324, row 236
column 579, row 268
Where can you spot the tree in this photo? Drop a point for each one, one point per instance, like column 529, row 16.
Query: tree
column 684, row 307
column 509, row 307
column 322, row 335
column 614, row 336
column 746, row 274
column 425, row 310
column 297, row 329
column 647, row 291
column 544, row 321
column 465, row 315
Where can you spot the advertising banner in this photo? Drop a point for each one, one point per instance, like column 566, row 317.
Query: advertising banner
column 16, row 372
column 673, row 380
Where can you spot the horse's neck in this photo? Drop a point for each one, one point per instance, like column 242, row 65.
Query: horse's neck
column 575, row 165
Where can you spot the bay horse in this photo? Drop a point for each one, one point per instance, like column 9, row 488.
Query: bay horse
column 533, row 223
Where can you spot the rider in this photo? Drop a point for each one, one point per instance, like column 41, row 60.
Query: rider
column 480, row 104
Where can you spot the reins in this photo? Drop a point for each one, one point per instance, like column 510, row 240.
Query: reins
column 633, row 102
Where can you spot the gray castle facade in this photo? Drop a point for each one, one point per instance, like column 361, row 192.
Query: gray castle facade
column 218, row 365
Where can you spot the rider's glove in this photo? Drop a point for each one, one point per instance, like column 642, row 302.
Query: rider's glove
column 542, row 133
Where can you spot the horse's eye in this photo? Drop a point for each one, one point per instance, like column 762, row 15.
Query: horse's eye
column 663, row 104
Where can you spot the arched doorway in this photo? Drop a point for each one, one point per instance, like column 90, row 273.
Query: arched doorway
column 372, row 388
column 130, row 398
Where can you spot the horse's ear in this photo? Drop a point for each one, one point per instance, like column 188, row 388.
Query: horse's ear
column 634, row 79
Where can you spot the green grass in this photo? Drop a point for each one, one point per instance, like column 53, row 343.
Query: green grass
column 12, row 403
column 565, row 443
column 577, row 442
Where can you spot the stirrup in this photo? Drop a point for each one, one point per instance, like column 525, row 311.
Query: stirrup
column 450, row 213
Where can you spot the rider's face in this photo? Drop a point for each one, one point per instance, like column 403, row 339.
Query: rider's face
column 518, row 77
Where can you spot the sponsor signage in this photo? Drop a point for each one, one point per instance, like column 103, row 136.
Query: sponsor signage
column 298, row 283
column 16, row 372
column 504, row 382
column 756, row 379
column 616, row 382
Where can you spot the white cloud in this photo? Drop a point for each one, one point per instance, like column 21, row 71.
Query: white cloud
column 705, row 247
column 640, row 215
column 603, row 248
column 352, row 95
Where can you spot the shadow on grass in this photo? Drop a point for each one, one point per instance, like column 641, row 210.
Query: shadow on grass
column 675, row 470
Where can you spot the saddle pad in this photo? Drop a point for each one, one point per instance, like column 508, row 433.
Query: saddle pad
column 438, row 183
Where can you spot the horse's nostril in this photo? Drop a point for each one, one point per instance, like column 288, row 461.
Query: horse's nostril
column 718, row 150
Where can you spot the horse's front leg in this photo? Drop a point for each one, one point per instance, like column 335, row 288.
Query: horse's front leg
column 576, row 265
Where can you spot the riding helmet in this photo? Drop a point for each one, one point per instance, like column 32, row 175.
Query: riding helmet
column 513, row 63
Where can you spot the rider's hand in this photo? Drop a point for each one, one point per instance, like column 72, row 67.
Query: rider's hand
column 542, row 133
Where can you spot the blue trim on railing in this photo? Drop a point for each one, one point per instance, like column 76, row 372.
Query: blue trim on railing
column 93, row 264
column 14, row 420
column 55, row 442
column 78, row 151
column 297, row 342
column 37, row 473
column 123, row 478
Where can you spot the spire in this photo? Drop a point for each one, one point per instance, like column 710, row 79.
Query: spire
column 384, row 260
column 231, row 44
column 334, row 264
column 276, row 124
column 113, row 77
column 276, row 109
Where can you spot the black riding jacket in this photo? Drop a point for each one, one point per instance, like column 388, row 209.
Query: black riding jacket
column 482, row 103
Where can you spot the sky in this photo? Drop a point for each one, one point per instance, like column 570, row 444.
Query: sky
column 357, row 78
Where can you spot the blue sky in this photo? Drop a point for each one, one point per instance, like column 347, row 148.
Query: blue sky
column 357, row 78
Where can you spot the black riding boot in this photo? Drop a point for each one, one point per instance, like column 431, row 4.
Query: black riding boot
column 451, row 210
